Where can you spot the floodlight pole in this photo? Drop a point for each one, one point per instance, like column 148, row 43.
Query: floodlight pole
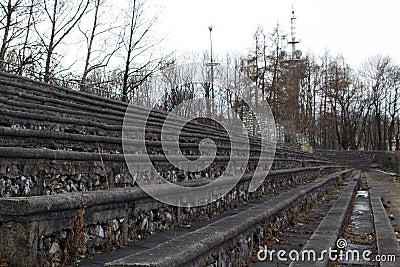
column 212, row 64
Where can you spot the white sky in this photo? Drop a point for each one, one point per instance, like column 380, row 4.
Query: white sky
column 357, row 29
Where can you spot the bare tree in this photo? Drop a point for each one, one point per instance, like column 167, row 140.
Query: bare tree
column 30, row 51
column 375, row 72
column 10, row 24
column 62, row 16
column 253, row 64
column 7, row 22
column 100, row 56
column 18, row 45
column 393, row 105
column 139, row 63
column 308, row 99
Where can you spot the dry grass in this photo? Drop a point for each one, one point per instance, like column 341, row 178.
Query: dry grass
column 366, row 239
column 52, row 261
column 76, row 237
column 3, row 263
column 148, row 135
column 103, row 166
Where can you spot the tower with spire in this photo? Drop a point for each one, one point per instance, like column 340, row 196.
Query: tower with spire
column 296, row 54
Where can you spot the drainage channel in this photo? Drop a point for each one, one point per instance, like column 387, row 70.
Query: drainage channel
column 359, row 241
column 297, row 235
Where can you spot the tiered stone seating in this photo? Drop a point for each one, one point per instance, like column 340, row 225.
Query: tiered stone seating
column 57, row 140
column 358, row 159
column 60, row 146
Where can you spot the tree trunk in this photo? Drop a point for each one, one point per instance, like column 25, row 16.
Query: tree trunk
column 50, row 48
column 7, row 27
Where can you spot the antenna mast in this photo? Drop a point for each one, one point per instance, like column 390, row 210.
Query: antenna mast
column 293, row 42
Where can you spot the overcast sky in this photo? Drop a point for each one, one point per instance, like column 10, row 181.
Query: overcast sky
column 357, row 29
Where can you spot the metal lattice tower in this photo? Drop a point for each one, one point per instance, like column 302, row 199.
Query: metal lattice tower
column 295, row 55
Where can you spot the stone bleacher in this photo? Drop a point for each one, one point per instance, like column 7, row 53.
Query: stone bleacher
column 358, row 159
column 68, row 141
column 60, row 146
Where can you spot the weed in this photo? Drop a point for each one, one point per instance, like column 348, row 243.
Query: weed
column 3, row 263
column 76, row 237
